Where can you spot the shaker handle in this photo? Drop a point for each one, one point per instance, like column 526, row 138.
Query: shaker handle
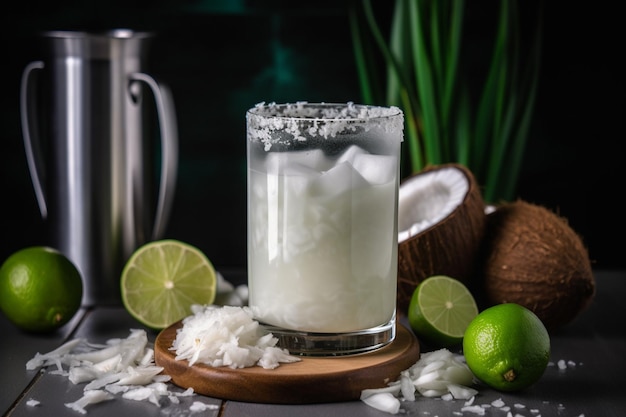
column 169, row 149
column 33, row 154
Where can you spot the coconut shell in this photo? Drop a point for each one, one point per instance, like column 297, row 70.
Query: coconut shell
column 535, row 259
column 449, row 247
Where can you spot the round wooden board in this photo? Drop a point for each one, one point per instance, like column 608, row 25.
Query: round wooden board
column 311, row 380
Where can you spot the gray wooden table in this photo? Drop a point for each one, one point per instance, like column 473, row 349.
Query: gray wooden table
column 594, row 346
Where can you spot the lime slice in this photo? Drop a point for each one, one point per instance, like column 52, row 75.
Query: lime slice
column 162, row 279
column 440, row 310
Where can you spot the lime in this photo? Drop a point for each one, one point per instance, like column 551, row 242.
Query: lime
column 40, row 289
column 163, row 278
column 440, row 310
column 507, row 347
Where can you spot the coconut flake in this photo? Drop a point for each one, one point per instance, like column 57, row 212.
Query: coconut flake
column 198, row 407
column 32, row 402
column 89, row 397
column 476, row 409
column 383, row 401
column 151, row 393
column 52, row 357
column 393, row 388
column 141, row 394
column 227, row 336
column 461, row 392
column 406, row 386
column 140, row 375
column 498, row 403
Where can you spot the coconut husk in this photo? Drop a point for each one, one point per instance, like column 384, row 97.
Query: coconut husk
column 535, row 259
column 449, row 247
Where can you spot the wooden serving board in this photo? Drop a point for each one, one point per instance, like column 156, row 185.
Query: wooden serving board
column 312, row 380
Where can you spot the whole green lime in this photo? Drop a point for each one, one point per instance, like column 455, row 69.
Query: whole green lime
column 40, row 289
column 507, row 347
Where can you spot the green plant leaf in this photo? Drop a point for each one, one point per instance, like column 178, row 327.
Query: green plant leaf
column 363, row 68
column 424, row 76
column 425, row 92
column 463, row 131
column 399, row 49
column 452, row 50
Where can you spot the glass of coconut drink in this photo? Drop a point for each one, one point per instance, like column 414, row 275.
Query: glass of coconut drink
column 322, row 224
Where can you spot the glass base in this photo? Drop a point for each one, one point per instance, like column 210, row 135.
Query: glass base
column 333, row 344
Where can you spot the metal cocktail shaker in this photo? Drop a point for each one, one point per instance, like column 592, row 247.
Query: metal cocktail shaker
column 85, row 130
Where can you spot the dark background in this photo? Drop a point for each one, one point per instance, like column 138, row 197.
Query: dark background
column 221, row 57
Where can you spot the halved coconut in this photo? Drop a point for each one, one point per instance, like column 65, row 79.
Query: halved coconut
column 441, row 222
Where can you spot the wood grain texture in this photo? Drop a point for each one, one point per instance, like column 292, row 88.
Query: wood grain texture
column 312, row 380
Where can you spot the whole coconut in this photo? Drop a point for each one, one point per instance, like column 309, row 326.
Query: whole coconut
column 535, row 259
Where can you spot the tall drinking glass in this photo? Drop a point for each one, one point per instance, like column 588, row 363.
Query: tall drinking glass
column 322, row 224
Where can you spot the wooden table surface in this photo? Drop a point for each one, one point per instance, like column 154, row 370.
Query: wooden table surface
column 593, row 347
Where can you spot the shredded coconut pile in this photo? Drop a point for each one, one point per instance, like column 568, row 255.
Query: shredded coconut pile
column 227, row 336
column 119, row 367
column 436, row 374
column 445, row 375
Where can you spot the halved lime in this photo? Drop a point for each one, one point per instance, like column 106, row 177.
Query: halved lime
column 162, row 279
column 440, row 310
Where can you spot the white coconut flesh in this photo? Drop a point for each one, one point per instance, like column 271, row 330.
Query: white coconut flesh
column 426, row 199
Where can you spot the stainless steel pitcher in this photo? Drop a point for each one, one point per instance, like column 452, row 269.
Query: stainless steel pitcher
column 91, row 160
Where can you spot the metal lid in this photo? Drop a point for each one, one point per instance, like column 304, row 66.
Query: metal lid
column 107, row 44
